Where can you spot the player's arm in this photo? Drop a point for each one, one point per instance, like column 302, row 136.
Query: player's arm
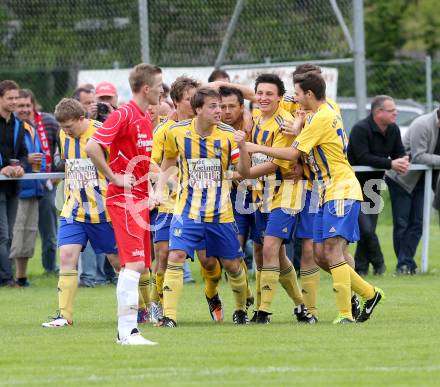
column 287, row 153
column 167, row 169
column 247, row 92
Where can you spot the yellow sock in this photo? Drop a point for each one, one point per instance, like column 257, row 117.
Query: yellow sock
column 67, row 287
column 159, row 285
column 269, row 281
column 342, row 288
column 154, row 295
column 360, row 286
column 212, row 278
column 172, row 289
column 310, row 279
column 258, row 287
column 244, row 267
column 144, row 289
column 289, row 281
column 237, row 282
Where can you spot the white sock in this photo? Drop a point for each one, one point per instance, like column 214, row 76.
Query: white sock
column 127, row 296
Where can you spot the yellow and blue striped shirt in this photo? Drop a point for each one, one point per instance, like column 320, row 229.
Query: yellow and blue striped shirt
column 84, row 187
column 203, row 192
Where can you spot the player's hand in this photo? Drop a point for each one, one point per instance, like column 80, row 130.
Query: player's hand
column 240, row 138
column 400, row 165
column 295, row 173
column 124, row 180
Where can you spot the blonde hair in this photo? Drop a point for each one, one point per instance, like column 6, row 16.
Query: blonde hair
column 141, row 75
column 69, row 109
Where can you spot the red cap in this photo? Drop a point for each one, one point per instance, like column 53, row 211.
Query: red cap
column 105, row 89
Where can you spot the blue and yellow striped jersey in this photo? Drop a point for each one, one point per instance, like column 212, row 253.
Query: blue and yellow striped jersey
column 159, row 136
column 324, row 142
column 269, row 133
column 84, row 187
column 203, row 192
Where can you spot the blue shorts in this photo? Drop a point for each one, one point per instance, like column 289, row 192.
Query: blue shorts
column 161, row 227
column 244, row 213
column 304, row 229
column 100, row 235
column 220, row 239
column 337, row 218
column 261, row 219
column 281, row 224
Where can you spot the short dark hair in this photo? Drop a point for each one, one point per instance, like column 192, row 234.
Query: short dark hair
column 228, row 91
column 274, row 80
column 311, row 81
column 76, row 94
column 198, row 99
column 180, row 85
column 306, row 68
column 27, row 93
column 8, row 85
column 218, row 74
column 377, row 102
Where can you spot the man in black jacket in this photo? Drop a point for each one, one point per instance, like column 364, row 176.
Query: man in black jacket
column 376, row 142
column 13, row 155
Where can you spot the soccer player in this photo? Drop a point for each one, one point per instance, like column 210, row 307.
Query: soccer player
column 233, row 110
column 84, row 216
column 129, row 134
column 205, row 150
column 324, row 141
column 277, row 204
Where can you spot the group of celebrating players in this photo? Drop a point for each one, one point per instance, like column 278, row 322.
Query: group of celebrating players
column 221, row 174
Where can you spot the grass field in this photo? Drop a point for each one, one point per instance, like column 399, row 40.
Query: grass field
column 398, row 346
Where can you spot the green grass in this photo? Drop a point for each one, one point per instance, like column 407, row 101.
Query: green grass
column 398, row 346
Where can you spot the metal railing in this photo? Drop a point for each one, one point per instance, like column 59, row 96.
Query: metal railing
column 427, row 198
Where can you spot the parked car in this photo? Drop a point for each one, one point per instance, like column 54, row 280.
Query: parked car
column 407, row 111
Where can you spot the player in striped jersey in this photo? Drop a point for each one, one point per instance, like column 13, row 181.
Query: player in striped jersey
column 84, row 216
column 323, row 139
column 278, row 199
column 205, row 150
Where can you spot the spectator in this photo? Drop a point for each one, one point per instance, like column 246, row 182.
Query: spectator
column 26, row 223
column 375, row 141
column 13, row 154
column 219, row 75
column 86, row 97
column 422, row 142
column 47, row 129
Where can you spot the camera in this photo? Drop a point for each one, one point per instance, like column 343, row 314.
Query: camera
column 102, row 112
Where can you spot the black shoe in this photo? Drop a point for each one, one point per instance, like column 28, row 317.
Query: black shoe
column 215, row 307
column 240, row 317
column 355, row 307
column 402, row 270
column 303, row 315
column 380, row 270
column 254, row 317
column 166, row 322
column 249, row 302
column 362, row 273
column 369, row 305
column 86, row 284
column 263, row 317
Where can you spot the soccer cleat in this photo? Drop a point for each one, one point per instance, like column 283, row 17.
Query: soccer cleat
column 240, row 317
column 263, row 317
column 249, row 302
column 156, row 312
column 355, row 307
column 303, row 315
column 135, row 338
column 166, row 322
column 143, row 316
column 57, row 322
column 369, row 305
column 254, row 317
column 343, row 320
column 215, row 307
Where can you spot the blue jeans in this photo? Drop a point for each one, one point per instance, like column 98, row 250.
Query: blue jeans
column 8, row 211
column 48, row 228
column 407, row 221
column 104, row 271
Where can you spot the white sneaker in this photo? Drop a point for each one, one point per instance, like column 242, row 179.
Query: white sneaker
column 134, row 339
column 156, row 312
column 57, row 322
